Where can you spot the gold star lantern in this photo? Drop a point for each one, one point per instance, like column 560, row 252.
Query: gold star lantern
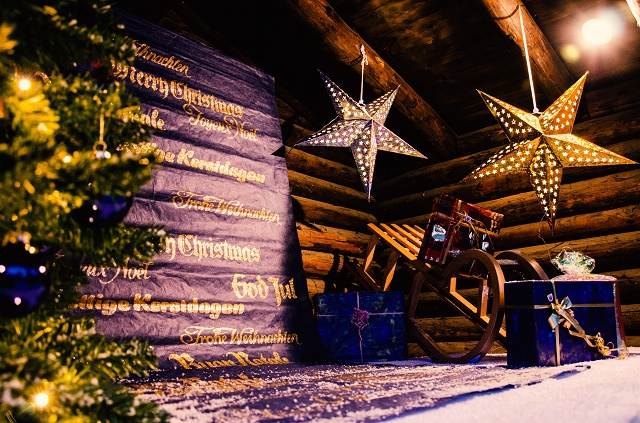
column 542, row 145
column 360, row 127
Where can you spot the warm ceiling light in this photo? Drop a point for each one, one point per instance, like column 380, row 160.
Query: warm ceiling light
column 597, row 32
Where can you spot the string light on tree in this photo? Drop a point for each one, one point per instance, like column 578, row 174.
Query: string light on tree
column 361, row 128
column 41, row 399
column 48, row 168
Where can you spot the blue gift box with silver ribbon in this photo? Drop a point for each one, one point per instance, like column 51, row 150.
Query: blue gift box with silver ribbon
column 550, row 323
column 360, row 327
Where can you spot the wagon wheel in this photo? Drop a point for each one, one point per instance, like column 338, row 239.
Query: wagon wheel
column 484, row 308
column 528, row 267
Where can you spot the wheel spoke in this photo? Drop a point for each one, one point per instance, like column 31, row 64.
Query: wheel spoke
column 483, row 297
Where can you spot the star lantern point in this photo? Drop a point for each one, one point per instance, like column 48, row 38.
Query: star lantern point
column 544, row 146
column 360, row 127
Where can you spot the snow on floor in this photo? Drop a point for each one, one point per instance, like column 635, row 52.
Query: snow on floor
column 608, row 392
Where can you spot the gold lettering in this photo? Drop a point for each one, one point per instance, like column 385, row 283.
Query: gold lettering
column 187, row 362
column 217, row 205
column 282, row 291
column 250, row 289
column 143, row 51
column 140, row 303
column 190, row 245
column 181, row 91
column 144, row 303
column 244, row 360
column 235, row 128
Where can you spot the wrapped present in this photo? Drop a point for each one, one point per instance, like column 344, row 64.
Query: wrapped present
column 360, row 327
column 470, row 213
column 455, row 226
column 550, row 323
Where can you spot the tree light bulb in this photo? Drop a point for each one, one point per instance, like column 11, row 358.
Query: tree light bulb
column 597, row 32
column 24, row 84
column 41, row 399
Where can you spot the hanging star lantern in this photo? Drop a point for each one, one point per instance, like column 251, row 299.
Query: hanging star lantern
column 360, row 127
column 542, row 145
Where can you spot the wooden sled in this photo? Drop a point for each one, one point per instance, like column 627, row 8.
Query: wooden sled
column 472, row 284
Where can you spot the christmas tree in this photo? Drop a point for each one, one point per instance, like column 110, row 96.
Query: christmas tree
column 69, row 167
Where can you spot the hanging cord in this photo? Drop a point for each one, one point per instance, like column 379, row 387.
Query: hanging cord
column 100, row 147
column 365, row 61
column 526, row 54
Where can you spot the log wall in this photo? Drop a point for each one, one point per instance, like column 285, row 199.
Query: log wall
column 599, row 207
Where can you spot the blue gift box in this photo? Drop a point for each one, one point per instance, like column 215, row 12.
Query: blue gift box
column 360, row 327
column 530, row 318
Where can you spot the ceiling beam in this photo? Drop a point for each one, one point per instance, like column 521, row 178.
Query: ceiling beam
column 549, row 73
column 344, row 43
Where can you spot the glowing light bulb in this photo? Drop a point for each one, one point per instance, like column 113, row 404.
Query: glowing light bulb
column 41, row 399
column 597, row 32
column 24, row 84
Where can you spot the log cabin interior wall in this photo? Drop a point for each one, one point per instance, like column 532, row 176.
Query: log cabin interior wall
column 439, row 53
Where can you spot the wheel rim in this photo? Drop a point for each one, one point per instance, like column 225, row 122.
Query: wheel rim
column 488, row 311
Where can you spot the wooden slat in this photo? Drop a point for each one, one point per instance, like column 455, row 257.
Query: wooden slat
column 390, row 232
column 416, row 230
column 412, row 242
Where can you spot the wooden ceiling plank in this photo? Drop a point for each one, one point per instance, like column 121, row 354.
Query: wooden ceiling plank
column 549, row 72
column 343, row 42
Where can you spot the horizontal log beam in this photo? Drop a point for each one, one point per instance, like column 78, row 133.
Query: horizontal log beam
column 330, row 239
column 329, row 192
column 311, row 212
column 621, row 219
column 315, row 286
column 317, row 264
column 579, row 197
column 344, row 43
column 617, row 132
column 325, row 169
column 449, row 328
column 628, row 284
column 623, row 245
column 586, row 196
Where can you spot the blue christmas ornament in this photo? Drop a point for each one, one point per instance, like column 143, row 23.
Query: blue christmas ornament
column 105, row 210
column 24, row 280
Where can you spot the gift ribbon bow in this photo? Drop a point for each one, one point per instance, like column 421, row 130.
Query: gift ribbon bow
column 360, row 318
column 563, row 316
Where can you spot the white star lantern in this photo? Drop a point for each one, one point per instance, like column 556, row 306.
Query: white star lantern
column 542, row 145
column 361, row 128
